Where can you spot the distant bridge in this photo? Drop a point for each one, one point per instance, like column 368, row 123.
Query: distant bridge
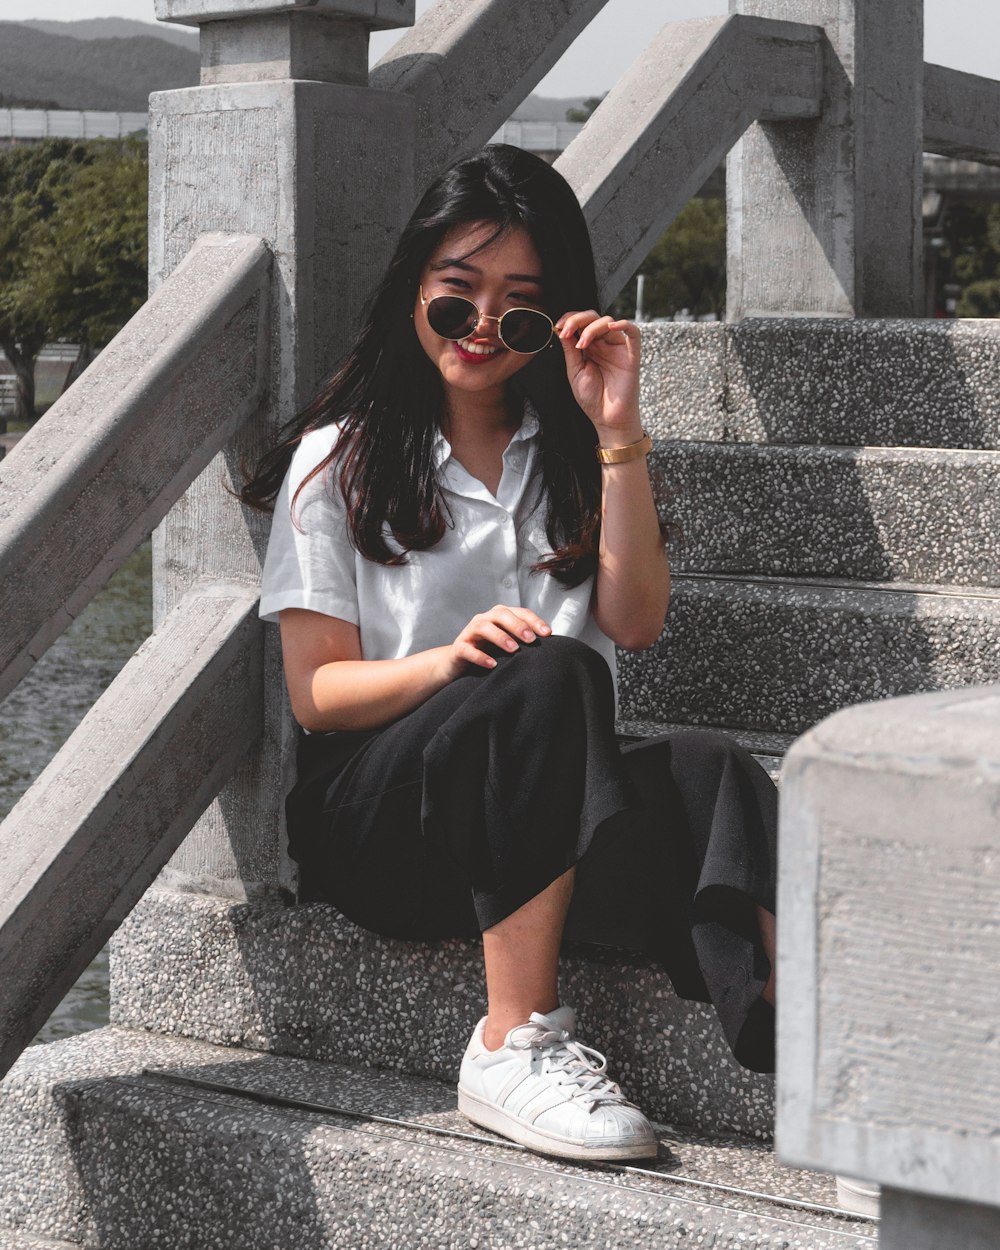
column 33, row 125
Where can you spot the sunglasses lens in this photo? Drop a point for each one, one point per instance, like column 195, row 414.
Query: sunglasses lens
column 523, row 330
column 451, row 316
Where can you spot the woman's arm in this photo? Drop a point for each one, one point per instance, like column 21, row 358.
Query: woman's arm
column 632, row 586
column 332, row 687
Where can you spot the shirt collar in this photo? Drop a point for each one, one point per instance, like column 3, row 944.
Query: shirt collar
column 529, row 428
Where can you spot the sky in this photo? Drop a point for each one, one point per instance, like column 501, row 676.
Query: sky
column 964, row 34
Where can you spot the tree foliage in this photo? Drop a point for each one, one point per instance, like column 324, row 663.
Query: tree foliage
column 975, row 255
column 687, row 266
column 584, row 114
column 72, row 248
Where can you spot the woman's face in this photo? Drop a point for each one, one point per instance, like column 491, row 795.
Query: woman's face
column 506, row 274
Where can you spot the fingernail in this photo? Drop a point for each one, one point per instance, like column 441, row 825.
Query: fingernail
column 526, row 633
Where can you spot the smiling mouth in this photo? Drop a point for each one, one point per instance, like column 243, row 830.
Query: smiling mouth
column 476, row 353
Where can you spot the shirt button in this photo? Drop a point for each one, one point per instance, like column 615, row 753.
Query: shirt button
column 507, row 518
column 507, row 583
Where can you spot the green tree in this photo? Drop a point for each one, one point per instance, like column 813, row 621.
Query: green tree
column 977, row 266
column 686, row 267
column 89, row 271
column 584, row 114
column 73, row 264
column 29, row 180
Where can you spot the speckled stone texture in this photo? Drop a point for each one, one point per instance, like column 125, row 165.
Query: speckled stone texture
column 779, row 656
column 871, row 513
column 302, row 980
column 888, row 383
column 149, row 1160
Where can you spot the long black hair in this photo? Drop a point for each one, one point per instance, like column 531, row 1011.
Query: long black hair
column 388, row 396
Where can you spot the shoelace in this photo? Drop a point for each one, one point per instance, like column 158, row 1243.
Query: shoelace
column 574, row 1061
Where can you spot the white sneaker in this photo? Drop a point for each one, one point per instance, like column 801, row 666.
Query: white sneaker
column 546, row 1091
column 858, row 1197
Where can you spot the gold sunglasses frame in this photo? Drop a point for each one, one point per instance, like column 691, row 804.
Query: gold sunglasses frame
column 481, row 316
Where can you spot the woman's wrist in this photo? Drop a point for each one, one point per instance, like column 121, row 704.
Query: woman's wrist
column 619, row 435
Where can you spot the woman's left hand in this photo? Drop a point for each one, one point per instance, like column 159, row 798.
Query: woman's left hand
column 602, row 363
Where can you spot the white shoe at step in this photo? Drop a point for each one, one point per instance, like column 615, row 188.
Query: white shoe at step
column 859, row 1197
column 549, row 1092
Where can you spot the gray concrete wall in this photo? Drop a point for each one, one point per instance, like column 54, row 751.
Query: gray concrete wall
column 888, row 1015
column 824, row 216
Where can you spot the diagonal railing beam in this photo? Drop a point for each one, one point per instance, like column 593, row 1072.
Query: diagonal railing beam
column 468, row 64
column 961, row 115
column 94, row 476
column 671, row 119
column 87, row 839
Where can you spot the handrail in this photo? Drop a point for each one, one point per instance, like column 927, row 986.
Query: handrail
column 90, row 835
column 91, row 479
column 694, row 91
column 961, row 115
column 469, row 63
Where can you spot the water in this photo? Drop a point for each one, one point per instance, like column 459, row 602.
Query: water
column 40, row 714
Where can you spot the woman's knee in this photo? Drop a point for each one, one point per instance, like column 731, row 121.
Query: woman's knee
column 559, row 659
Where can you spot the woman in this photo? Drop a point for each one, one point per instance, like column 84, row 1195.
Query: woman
column 463, row 531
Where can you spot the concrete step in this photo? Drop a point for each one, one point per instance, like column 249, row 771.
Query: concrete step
column 188, row 1145
column 867, row 513
column 856, row 383
column 768, row 749
column 302, row 980
column 780, row 655
column 13, row 1239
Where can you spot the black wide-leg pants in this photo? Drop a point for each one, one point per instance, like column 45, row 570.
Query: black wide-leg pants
column 445, row 821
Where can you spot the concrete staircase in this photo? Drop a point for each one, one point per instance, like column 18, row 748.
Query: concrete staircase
column 154, row 1141
column 236, row 1099
column 836, row 486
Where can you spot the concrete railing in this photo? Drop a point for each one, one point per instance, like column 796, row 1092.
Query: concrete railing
column 86, row 841
column 961, row 115
column 889, row 1017
column 92, row 478
column 672, row 118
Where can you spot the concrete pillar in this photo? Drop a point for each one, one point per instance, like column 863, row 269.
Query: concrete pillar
column 919, row 1222
column 282, row 139
column 825, row 215
column 889, row 893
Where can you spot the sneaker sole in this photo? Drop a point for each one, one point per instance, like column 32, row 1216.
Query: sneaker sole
column 486, row 1115
column 858, row 1199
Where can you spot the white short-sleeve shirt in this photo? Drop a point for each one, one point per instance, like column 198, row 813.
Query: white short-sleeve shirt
column 484, row 558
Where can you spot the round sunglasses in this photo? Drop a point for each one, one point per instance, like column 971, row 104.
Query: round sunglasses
column 523, row 330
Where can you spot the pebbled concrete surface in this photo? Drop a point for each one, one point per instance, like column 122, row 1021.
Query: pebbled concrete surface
column 304, row 981
column 852, row 382
column 157, row 1162
column 779, row 656
column 870, row 513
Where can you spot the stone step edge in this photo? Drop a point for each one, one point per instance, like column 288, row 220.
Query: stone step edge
column 19, row 1239
column 901, row 452
column 910, row 589
column 757, row 741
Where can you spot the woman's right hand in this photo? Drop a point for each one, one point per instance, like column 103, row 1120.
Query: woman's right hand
column 504, row 626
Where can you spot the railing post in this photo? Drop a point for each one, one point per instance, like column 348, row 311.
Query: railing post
column 825, row 215
column 888, row 1021
column 282, row 139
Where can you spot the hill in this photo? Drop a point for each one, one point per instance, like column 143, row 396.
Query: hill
column 116, row 73
column 117, row 28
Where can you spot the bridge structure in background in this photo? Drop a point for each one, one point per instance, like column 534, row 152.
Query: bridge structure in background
column 834, row 460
